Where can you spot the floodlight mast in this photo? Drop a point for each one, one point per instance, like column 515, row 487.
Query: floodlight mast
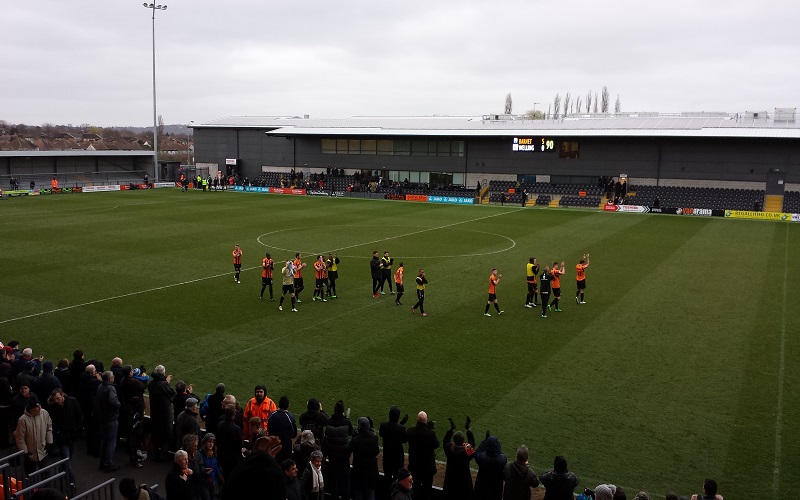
column 154, row 8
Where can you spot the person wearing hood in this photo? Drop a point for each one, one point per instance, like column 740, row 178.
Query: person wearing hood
column 364, row 448
column 215, row 410
column 457, row 476
column 334, row 447
column 44, row 385
column 314, row 420
column 394, row 435
column 491, row 462
column 560, row 482
column 402, row 486
column 259, row 406
column 519, row 477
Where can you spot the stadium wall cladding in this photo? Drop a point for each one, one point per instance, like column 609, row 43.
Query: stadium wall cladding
column 722, row 159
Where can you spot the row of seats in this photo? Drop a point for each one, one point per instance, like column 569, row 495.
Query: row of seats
column 579, row 201
column 791, row 202
column 697, row 197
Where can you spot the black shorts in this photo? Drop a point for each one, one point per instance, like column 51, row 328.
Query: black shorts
column 581, row 284
column 288, row 289
column 557, row 292
column 298, row 282
column 400, row 287
column 532, row 287
column 321, row 282
column 333, row 275
column 492, row 297
column 237, row 267
column 266, row 281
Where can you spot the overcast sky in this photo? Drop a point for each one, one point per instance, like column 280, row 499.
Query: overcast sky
column 90, row 61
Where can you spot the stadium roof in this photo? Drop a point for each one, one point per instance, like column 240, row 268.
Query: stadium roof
column 73, row 152
column 748, row 125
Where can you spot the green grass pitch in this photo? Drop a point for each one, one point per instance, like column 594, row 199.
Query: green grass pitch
column 682, row 365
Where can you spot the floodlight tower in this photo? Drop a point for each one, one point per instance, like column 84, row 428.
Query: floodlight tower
column 154, row 8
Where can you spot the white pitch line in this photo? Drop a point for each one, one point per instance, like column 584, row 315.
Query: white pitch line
column 155, row 289
column 776, row 467
column 98, row 301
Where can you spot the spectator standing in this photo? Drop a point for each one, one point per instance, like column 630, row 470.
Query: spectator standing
column 394, row 436
column 229, row 441
column 422, row 446
column 44, row 385
column 161, row 394
column 491, row 463
column 283, row 425
column 34, row 432
column 259, row 406
column 519, row 477
column 131, row 396
column 402, row 486
column 65, row 414
column 560, row 482
column 293, row 489
column 64, row 376
column 312, row 481
column 108, row 415
column 457, row 476
column 215, row 410
column 315, row 420
column 301, row 453
column 364, row 448
column 334, row 446
column 77, row 367
column 90, row 382
column 187, row 422
column 710, row 488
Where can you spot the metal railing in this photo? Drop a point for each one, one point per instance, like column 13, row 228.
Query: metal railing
column 59, row 482
column 103, row 491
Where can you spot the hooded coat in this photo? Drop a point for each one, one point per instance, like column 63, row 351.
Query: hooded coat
column 394, row 435
column 491, row 462
column 314, row 420
column 364, row 447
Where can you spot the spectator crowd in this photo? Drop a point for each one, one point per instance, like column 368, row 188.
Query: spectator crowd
column 257, row 448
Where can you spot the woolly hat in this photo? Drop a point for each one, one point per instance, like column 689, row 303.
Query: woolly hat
column 605, row 492
column 402, row 474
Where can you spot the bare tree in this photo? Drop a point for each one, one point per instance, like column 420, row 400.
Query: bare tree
column 596, row 100
column 567, row 99
column 534, row 114
column 160, row 126
column 548, row 109
column 618, row 105
column 508, row 103
column 605, row 100
column 578, row 104
column 589, row 102
column 556, row 106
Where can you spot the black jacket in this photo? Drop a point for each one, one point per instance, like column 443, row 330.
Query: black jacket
column 337, row 435
column 67, row 420
column 457, row 476
column 491, row 462
column 422, row 446
column 393, row 434
column 375, row 268
column 364, row 447
column 559, row 486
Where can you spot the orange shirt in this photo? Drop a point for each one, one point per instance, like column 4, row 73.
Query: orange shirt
column 237, row 256
column 557, row 277
column 398, row 275
column 580, row 274
column 298, row 268
column 493, row 283
column 54, row 183
column 266, row 268
column 319, row 268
